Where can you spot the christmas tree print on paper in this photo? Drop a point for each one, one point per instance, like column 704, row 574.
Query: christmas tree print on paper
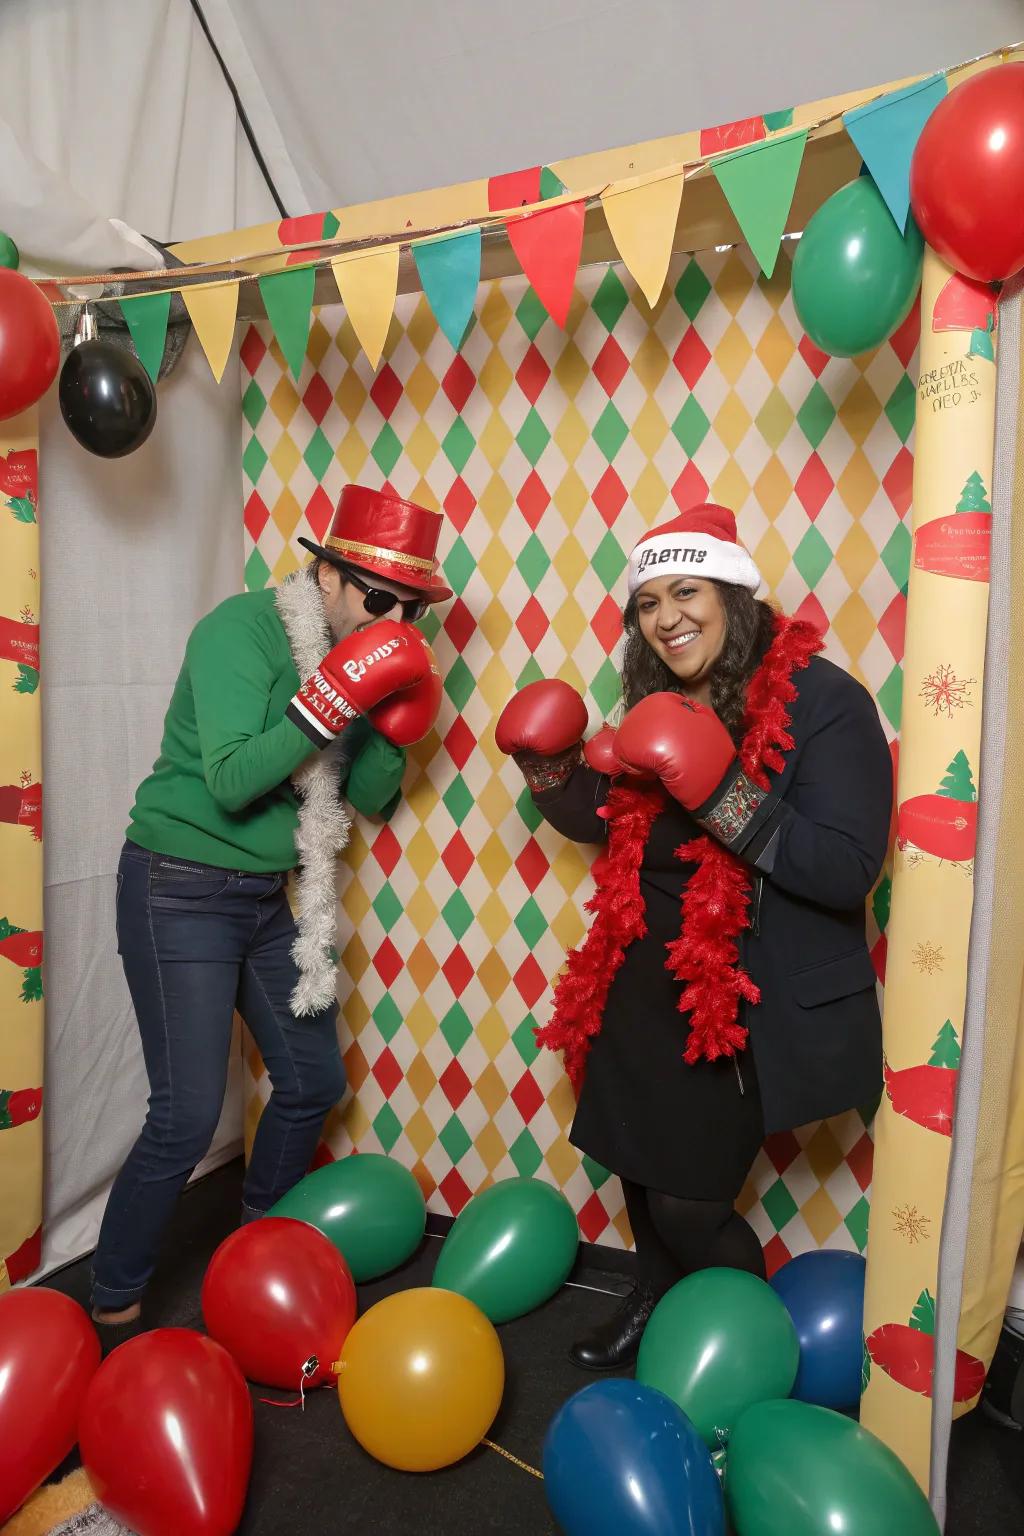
column 26, row 950
column 21, row 805
column 906, row 1353
column 974, row 497
column 959, row 545
column 926, row 1094
column 945, row 823
column 19, row 642
column 18, row 1106
column 19, row 484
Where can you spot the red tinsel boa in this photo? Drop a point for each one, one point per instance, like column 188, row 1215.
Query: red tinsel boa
column 716, row 899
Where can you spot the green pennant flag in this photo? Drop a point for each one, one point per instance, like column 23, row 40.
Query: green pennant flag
column 146, row 318
column 759, row 181
column 288, row 300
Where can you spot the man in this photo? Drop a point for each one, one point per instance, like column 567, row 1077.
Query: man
column 248, row 783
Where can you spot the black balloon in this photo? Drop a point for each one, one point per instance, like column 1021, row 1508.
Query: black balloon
column 106, row 398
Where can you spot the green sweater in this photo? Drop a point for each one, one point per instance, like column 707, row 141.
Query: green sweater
column 220, row 791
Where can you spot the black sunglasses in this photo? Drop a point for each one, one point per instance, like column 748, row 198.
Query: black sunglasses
column 378, row 602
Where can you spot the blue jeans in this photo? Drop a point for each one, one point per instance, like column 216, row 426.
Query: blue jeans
column 196, row 943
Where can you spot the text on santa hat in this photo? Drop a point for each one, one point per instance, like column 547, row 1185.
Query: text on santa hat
column 675, row 556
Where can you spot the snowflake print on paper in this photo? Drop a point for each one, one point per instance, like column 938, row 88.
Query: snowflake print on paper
column 943, row 691
column 928, row 957
column 911, row 1224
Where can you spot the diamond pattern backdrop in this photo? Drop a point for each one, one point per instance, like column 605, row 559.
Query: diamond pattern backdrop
column 550, row 452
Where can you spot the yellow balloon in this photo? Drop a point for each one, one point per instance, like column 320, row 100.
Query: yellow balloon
column 420, row 1379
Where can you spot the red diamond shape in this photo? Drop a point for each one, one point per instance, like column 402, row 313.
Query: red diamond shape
column 387, row 962
column 457, row 970
column 610, row 496
column 533, row 498
column 904, row 340
column 454, row 1084
column 255, row 516
column 456, row 1191
column 814, row 486
column 459, row 382
column 691, row 357
column 386, row 849
column 386, row 390
column 253, row 349
column 607, row 623
column 878, row 958
column 387, row 1072
column 532, row 864
column 610, row 366
column 533, row 624
column 459, row 624
column 457, row 858
column 783, row 1148
column 530, row 981
column 811, row 611
column 532, row 374
column 593, row 1218
column 814, row 359
column 317, row 398
column 319, row 511
column 860, row 1159
column 460, row 743
column 775, row 1255
column 527, row 1097
column 460, row 503
column 690, row 489
column 893, row 624
column 898, row 481
column 321, row 1157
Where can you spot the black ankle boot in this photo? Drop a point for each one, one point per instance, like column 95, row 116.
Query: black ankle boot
column 613, row 1345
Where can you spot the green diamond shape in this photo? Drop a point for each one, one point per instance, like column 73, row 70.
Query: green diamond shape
column 526, row 1154
column 458, row 444
column 692, row 289
column 881, row 903
column 429, row 624
column 890, row 697
column 531, row 313
column 455, row 1139
column 253, row 459
column 774, row 419
column 691, row 426
column 531, row 922
column 319, row 454
column 387, row 1017
column 533, row 562
column 609, row 560
column 610, row 431
column 900, row 408
column 610, row 300
column 459, row 683
column 857, row 1223
column 533, row 436
column 533, row 672
column 257, row 572
column 459, row 564
column 330, row 226
column 594, row 1172
column 254, row 403
column 387, row 1126
column 896, row 556
column 816, row 415
column 779, row 1204
column 386, row 450
column 458, row 800
column 528, row 811
column 812, row 557
column 456, row 1028
column 457, row 913
column 387, row 906
column 524, row 1041
column 606, row 687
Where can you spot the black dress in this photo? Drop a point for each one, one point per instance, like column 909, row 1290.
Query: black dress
column 815, row 1038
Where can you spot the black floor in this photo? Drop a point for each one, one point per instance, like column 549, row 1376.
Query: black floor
column 309, row 1475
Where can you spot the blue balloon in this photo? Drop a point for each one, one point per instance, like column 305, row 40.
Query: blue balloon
column 823, row 1293
column 621, row 1459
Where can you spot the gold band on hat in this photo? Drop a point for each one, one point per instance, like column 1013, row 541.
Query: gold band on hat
column 359, row 552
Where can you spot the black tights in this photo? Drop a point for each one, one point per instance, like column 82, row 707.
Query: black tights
column 674, row 1237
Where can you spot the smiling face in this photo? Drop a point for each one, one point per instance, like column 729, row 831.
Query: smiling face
column 683, row 621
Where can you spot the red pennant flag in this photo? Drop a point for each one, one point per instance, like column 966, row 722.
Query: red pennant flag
column 514, row 190
column 747, row 130
column 548, row 245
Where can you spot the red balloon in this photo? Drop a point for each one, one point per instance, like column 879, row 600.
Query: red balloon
column 166, row 1435
column 967, row 175
column 278, row 1294
column 29, row 344
column 49, row 1353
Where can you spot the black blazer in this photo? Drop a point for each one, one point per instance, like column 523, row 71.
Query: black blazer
column 815, row 850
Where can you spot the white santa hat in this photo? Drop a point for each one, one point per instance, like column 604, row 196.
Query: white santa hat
column 699, row 542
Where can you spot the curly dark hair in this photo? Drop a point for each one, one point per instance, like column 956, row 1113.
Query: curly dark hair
column 749, row 625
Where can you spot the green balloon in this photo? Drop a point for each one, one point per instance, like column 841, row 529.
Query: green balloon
column 511, row 1248
column 717, row 1342
column 370, row 1207
column 855, row 277
column 9, row 253
column 798, row 1470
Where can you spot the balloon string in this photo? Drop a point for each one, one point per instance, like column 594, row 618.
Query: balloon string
column 525, row 1465
column 300, row 1401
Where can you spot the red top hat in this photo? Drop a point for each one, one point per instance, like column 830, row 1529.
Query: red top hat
column 377, row 532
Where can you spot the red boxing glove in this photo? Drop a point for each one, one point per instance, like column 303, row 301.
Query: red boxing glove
column 544, row 717
column 600, row 751
column 361, row 671
column 683, row 744
column 408, row 716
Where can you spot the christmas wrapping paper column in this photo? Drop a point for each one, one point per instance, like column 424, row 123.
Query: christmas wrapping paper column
column 21, row 856
column 929, row 927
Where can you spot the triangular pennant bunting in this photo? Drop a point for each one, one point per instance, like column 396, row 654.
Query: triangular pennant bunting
column 212, row 308
column 642, row 221
column 759, row 183
column 551, row 185
column 548, row 246
column 514, row 189
column 886, row 132
column 288, row 300
column 449, row 272
column 146, row 318
column 367, row 286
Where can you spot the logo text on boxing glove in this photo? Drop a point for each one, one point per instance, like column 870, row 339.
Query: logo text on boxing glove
column 357, row 669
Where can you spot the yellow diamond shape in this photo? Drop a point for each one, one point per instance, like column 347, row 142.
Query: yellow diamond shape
column 495, row 440
column 423, row 495
column 496, row 502
column 352, row 453
column 773, row 488
column 421, row 1022
column 733, row 284
column 569, row 867
column 495, row 684
column 355, row 1120
column 562, row 1102
column 775, row 418
column 285, row 564
column 421, row 853
column 650, row 361
column 347, row 342
column 422, row 327
column 286, row 512
column 776, row 288
column 318, row 343
column 495, row 312
column 495, row 623
column 490, row 1146
column 733, row 352
column 355, row 901
column 772, row 558
column 491, row 1089
column 422, row 794
column 650, row 428
column 421, row 909
column 492, row 1034
column 859, row 411
column 421, row 447
column 731, row 488
column 571, row 433
column 495, row 861
column 284, row 399
column 421, row 386
column 568, row 925
column 821, row 1216
column 571, row 561
column 571, row 497
column 570, row 623
column 494, row 564
column 858, row 484
column 562, row 1158
column 421, row 1077
column 356, row 1013
column 493, row 918
column 855, row 625
column 571, row 369
column 823, row 1153
column 350, row 395
column 496, row 803
column 857, row 556
column 495, row 378
column 649, row 494
column 284, row 457
column 354, row 957
column 420, row 1132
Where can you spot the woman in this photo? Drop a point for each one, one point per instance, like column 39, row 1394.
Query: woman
column 745, row 799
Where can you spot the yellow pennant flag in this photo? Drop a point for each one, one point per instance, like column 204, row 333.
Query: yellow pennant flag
column 212, row 308
column 368, row 285
column 642, row 220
